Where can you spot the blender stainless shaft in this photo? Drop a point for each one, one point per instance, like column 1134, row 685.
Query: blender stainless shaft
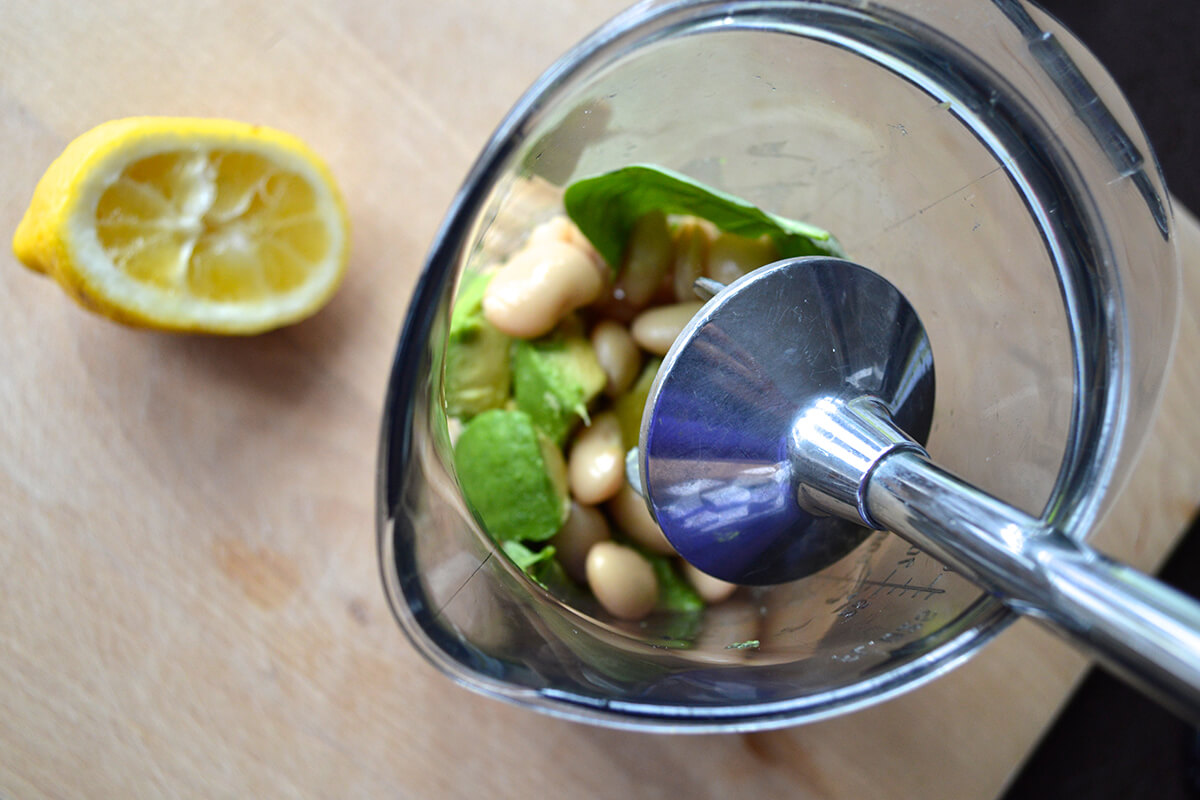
column 1136, row 626
column 767, row 455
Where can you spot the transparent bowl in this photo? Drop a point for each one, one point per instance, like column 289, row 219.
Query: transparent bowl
column 973, row 154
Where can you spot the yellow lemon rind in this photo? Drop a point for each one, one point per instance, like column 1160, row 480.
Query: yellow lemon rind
column 58, row 236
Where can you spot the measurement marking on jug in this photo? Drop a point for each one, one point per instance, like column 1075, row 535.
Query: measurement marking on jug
column 910, row 557
column 903, row 588
column 891, row 586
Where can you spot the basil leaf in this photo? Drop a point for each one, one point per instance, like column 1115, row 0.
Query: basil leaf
column 545, row 570
column 675, row 594
column 525, row 558
column 606, row 206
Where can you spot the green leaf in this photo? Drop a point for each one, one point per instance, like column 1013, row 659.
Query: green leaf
column 749, row 644
column 554, row 379
column 525, row 558
column 675, row 594
column 467, row 316
column 544, row 569
column 605, row 207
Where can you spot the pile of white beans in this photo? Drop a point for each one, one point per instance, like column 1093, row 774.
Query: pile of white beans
column 556, row 276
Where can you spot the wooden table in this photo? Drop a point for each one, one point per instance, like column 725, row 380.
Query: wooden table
column 190, row 603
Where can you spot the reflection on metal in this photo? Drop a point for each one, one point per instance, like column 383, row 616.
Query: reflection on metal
column 721, row 434
column 765, row 448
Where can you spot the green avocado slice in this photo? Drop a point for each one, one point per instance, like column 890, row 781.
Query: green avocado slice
column 554, row 379
column 477, row 376
column 512, row 477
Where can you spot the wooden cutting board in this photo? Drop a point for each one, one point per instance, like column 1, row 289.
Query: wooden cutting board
column 189, row 600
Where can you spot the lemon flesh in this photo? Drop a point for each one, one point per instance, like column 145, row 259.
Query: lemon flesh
column 189, row 224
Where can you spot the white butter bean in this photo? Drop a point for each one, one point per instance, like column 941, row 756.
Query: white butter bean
column 618, row 355
column 732, row 256
column 628, row 510
column 538, row 286
column 657, row 328
column 584, row 527
column 596, row 464
column 622, row 580
column 562, row 229
column 713, row 590
column 646, row 260
column 692, row 240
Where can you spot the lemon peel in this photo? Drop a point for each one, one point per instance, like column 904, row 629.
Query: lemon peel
column 189, row 224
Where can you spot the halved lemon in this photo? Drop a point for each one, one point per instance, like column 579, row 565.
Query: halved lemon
column 188, row 224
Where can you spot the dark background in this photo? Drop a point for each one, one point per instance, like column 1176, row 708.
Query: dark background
column 1152, row 49
column 1109, row 742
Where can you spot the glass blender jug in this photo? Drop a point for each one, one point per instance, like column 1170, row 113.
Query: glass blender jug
column 976, row 157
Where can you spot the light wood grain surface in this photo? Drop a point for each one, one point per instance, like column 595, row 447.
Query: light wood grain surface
column 189, row 599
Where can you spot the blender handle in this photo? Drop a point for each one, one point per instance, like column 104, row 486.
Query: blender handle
column 1139, row 628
